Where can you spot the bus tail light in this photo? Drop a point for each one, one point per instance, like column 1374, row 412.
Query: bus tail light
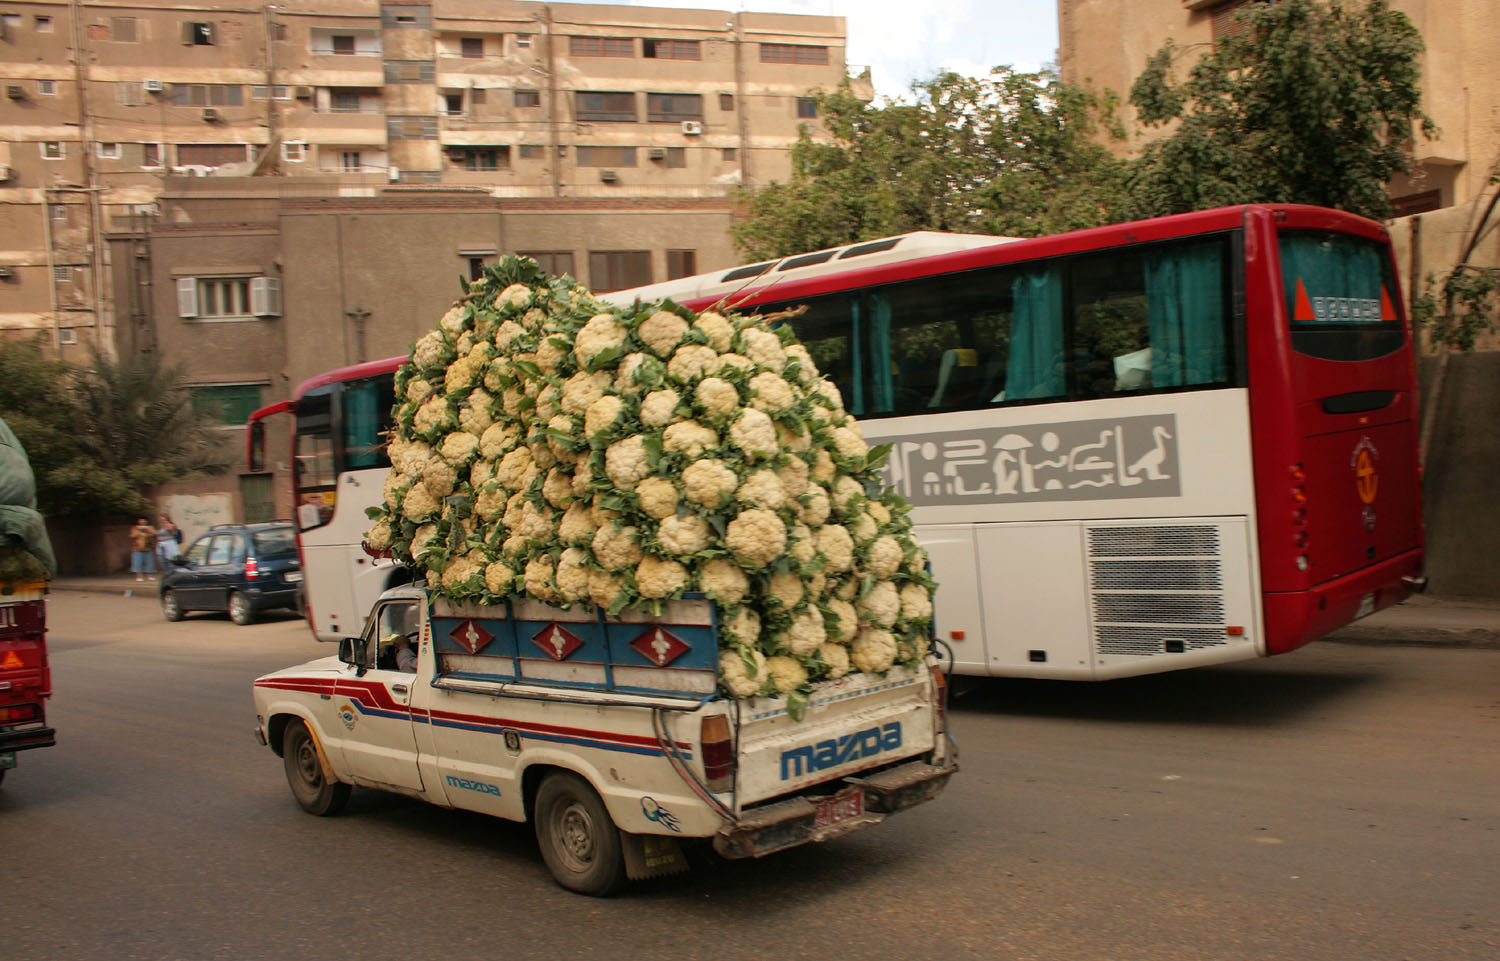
column 252, row 568
column 718, row 753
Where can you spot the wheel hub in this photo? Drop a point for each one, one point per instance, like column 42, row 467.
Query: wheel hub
column 577, row 834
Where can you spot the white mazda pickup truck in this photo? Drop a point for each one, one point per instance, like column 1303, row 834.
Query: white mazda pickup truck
column 608, row 733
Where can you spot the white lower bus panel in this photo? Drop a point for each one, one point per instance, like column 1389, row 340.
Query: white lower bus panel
column 1093, row 599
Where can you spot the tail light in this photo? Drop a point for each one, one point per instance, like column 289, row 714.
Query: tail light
column 252, row 569
column 20, row 712
column 940, row 695
column 718, row 753
column 1299, row 515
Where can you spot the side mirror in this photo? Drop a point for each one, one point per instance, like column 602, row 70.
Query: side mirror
column 352, row 651
column 180, row 561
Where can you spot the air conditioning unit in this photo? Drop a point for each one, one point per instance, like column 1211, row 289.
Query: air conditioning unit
column 304, row 93
column 692, row 127
column 210, row 115
column 657, row 153
column 6, row 273
column 15, row 91
column 6, row 173
column 608, row 176
column 153, row 86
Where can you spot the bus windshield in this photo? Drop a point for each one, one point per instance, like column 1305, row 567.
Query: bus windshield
column 1338, row 296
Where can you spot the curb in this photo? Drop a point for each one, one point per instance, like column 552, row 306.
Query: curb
column 1376, row 634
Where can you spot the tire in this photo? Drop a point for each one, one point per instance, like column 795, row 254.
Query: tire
column 304, row 773
column 579, row 841
column 170, row 609
column 240, row 610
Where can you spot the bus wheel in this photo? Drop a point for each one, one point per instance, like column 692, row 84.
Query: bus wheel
column 240, row 610
column 579, row 842
column 304, row 772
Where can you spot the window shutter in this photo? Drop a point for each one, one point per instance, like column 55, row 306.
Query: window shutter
column 265, row 296
column 187, row 296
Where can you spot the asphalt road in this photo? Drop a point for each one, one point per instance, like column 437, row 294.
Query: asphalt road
column 1337, row 803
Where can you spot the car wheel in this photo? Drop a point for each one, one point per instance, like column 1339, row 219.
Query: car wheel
column 304, row 772
column 579, row 841
column 170, row 609
column 240, row 610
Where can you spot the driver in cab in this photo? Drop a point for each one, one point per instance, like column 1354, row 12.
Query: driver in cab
column 398, row 638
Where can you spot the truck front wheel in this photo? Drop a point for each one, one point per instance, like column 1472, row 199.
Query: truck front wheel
column 304, row 772
column 579, row 841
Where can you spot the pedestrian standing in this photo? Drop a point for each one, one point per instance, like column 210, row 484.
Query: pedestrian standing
column 143, row 550
column 168, row 542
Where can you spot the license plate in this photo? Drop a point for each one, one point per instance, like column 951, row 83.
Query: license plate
column 1366, row 606
column 842, row 807
column 292, row 577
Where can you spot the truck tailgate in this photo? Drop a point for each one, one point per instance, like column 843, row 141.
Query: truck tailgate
column 853, row 724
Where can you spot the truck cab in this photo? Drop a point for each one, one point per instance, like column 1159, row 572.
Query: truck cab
column 609, row 734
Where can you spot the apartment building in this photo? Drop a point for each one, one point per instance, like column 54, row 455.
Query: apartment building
column 261, row 192
column 107, row 103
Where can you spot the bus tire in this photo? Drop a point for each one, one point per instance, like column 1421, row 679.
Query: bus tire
column 240, row 610
column 304, row 773
column 579, row 841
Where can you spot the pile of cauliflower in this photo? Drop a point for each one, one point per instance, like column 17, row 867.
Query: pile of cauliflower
column 551, row 446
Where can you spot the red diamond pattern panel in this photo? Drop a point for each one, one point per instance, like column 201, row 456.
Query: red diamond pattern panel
column 471, row 637
column 660, row 647
column 557, row 642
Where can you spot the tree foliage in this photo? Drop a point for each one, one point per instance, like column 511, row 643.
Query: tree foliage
column 99, row 436
column 1465, row 302
column 1306, row 102
column 1013, row 153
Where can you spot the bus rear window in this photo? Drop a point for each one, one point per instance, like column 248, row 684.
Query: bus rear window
column 1340, row 296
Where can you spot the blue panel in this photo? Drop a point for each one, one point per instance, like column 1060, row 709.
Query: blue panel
column 502, row 650
column 702, row 655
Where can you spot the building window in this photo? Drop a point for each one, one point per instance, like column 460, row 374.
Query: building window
column 108, row 151
column 208, row 95
column 605, row 107
column 681, row 263
column 799, row 53
column 294, row 151
column 471, row 48
column 601, row 46
column 728, row 153
column 671, row 49
column 151, row 155
column 52, row 150
column 62, row 273
column 530, row 151
column 341, row 45
column 128, row 93
column 262, row 92
column 618, row 269
column 554, row 263
column 523, row 40
column 807, row 107
column 478, row 95
column 726, row 101
column 476, row 267
column 453, row 104
column 349, row 161
column 411, row 128
column 1226, row 22
column 198, row 33
column 606, row 156
column 211, row 154
column 675, row 157
column 228, row 405
column 122, row 29
column 42, row 24
column 10, row 21
column 46, row 88
column 673, row 107
column 528, row 98
column 228, row 298
column 1418, row 203
column 482, row 158
column 409, row 71
column 343, row 101
column 58, row 211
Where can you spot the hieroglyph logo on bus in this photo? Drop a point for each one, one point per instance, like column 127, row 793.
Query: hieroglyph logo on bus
column 1366, row 478
column 1073, row 461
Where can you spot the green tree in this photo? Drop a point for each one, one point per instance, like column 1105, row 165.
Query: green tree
column 1011, row 153
column 1306, row 102
column 99, row 437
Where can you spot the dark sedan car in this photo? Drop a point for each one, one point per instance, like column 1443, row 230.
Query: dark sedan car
column 239, row 568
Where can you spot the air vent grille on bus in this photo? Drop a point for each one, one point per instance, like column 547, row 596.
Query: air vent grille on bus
column 1156, row 590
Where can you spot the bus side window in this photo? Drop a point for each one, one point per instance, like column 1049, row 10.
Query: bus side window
column 1110, row 332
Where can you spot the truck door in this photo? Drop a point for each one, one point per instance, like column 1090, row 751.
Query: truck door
column 379, row 742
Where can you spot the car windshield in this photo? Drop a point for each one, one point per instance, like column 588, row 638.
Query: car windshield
column 277, row 541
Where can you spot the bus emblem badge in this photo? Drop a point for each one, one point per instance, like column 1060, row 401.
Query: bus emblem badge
column 1366, row 478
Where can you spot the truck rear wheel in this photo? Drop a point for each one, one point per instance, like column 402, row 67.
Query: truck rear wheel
column 304, row 772
column 579, row 841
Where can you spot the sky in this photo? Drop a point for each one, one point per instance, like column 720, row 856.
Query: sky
column 906, row 40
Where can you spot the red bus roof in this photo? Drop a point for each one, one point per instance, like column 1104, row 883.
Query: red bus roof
column 354, row 372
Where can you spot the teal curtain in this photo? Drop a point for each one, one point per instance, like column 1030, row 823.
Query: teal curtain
column 1330, row 266
column 362, row 426
column 1036, row 364
column 854, row 399
column 1185, row 311
column 882, row 385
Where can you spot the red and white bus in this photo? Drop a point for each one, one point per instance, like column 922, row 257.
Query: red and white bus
column 1130, row 449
